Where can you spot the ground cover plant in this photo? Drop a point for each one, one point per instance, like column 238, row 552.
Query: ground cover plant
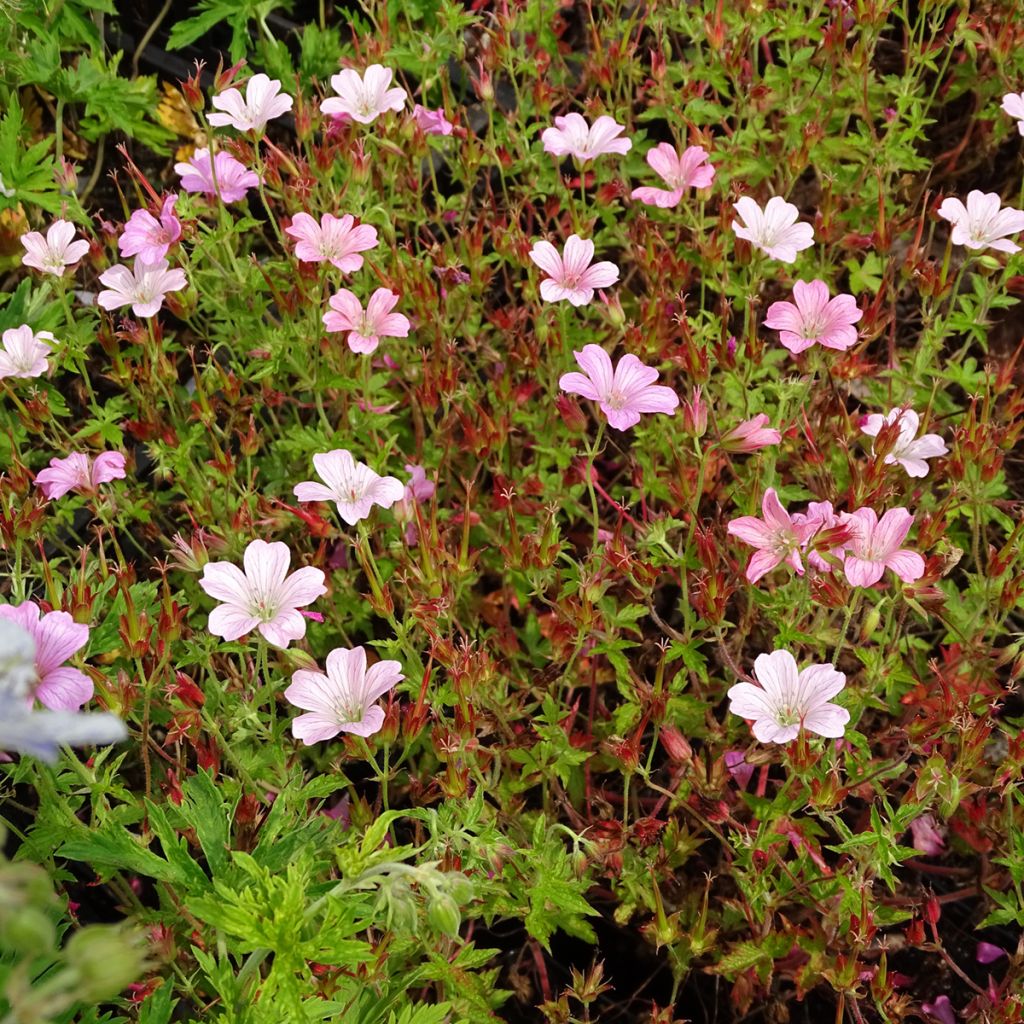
column 511, row 511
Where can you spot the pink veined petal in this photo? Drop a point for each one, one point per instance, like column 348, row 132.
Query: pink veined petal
column 655, row 398
column 555, row 142
column 761, row 563
column 872, row 424
column 380, row 678
column 908, row 565
column 302, row 587
column 363, row 344
column 57, row 637
column 927, row 446
column 784, row 316
column 818, row 684
column 348, row 307
column 266, row 566
column 749, row 701
column 224, row 581
column 777, row 672
column 664, row 161
column 861, row 573
column 767, row 730
column 657, row 197
column 632, row 376
column 772, row 511
column 394, row 325
column 579, row 296
column 336, row 468
column 309, row 490
column 891, row 530
column 578, row 384
column 551, row 291
column 751, row 530
column 382, row 301
column 308, row 691
column 229, row 622
column 600, row 275
column 286, row 626
column 597, row 365
column 107, row 466
column 64, row 689
column 693, row 168
column 912, row 467
column 620, row 419
column 314, row 728
column 576, row 255
column 372, row 720
column 811, row 298
column 386, row 491
column 751, row 216
column 346, row 668
column 828, row 720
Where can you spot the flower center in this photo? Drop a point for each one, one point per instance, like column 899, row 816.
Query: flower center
column 53, row 260
column 616, row 400
column 787, row 715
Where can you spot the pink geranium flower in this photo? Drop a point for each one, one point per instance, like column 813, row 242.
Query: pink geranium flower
column 1013, row 104
column 343, row 700
column 55, row 253
column 265, row 597
column 623, row 394
column 260, row 105
column 941, row 1010
column 144, row 287
column 789, row 699
column 78, row 473
column 25, row 352
column 778, row 537
column 750, row 436
column 774, row 230
column 57, row 637
column 910, row 451
column 366, row 327
column 146, row 237
column 981, row 224
column 333, row 238
column 432, row 122
column 351, row 485
column 691, row 170
column 874, row 546
column 225, row 176
column 814, row 318
column 571, row 275
column 365, row 98
column 572, row 136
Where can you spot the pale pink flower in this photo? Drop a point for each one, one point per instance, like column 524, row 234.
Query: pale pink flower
column 432, row 122
column 750, row 436
column 789, row 699
column 55, row 253
column 148, row 238
column 928, row 835
column 366, row 327
column 778, row 537
column 226, row 176
column 571, row 275
column 1013, row 104
column 261, row 104
column 622, row 394
column 774, row 230
column 910, row 451
column 351, row 485
column 78, row 473
column 363, row 98
column 691, row 170
column 814, row 318
column 265, row 597
column 336, row 239
column 25, row 352
column 144, row 287
column 981, row 224
column 572, row 136
column 874, row 546
column 57, row 636
column 343, row 700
